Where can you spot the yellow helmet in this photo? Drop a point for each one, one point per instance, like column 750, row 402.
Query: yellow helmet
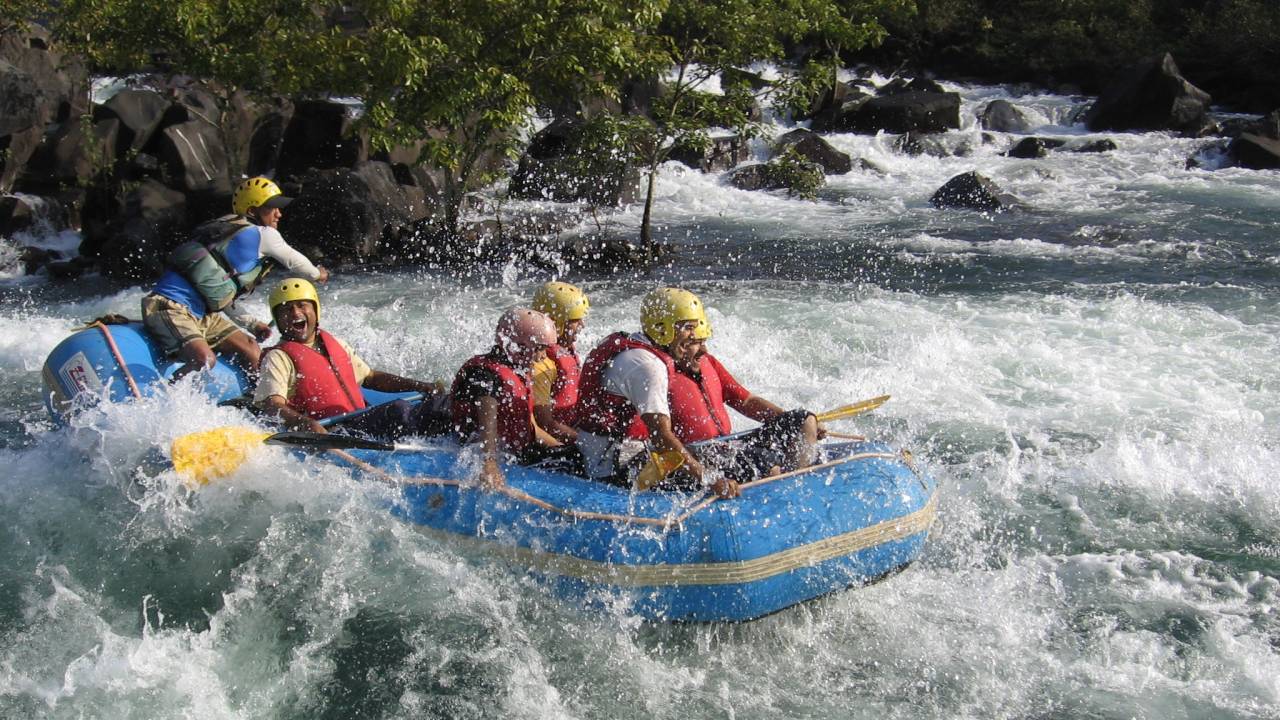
column 561, row 302
column 256, row 192
column 291, row 289
column 664, row 308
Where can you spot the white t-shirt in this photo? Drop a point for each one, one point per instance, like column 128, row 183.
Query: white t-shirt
column 640, row 377
column 292, row 263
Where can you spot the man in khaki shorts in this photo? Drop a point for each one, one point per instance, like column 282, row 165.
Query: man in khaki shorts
column 191, row 310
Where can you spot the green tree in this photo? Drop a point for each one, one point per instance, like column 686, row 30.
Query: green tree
column 465, row 77
column 697, row 40
column 279, row 46
column 261, row 46
column 839, row 25
column 15, row 14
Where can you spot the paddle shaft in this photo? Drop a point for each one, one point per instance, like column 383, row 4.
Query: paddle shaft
column 840, row 413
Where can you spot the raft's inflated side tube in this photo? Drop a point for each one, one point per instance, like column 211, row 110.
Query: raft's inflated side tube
column 117, row 363
column 676, row 556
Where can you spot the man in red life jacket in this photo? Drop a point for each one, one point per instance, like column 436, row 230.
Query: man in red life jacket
column 662, row 385
column 555, row 378
column 492, row 401
column 312, row 375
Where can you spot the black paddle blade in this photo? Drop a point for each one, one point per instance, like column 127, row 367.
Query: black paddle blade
column 325, row 441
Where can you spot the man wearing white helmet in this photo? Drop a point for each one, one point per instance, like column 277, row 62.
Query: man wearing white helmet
column 191, row 310
column 312, row 376
column 492, row 401
column 662, row 386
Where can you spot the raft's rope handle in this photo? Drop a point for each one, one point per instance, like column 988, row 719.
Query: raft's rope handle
column 115, row 352
column 510, row 492
column 580, row 515
column 764, row 481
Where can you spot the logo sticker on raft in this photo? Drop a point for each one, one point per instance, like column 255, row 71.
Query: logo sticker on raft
column 78, row 376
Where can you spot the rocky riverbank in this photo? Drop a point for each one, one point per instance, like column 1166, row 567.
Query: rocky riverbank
column 134, row 164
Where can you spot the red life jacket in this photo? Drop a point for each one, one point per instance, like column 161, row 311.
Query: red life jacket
column 326, row 383
column 515, row 406
column 697, row 408
column 698, row 411
column 564, row 391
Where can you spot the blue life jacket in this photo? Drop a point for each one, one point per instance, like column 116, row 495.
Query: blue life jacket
column 207, row 277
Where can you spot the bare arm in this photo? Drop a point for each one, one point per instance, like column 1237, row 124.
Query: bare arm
column 490, row 473
column 760, row 410
column 546, row 420
column 388, row 382
column 664, row 439
column 757, row 408
column 292, row 419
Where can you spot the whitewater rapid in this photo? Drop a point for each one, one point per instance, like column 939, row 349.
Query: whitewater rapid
column 1092, row 381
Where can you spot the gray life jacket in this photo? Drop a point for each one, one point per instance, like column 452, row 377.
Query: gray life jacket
column 203, row 262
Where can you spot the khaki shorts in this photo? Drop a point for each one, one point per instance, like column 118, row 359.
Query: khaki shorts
column 173, row 325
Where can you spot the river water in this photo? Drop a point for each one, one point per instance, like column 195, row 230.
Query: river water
column 1093, row 381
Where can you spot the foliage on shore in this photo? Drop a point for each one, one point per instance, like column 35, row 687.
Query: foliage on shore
column 1230, row 48
column 461, row 83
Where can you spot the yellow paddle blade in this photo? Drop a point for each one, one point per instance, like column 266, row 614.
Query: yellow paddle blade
column 855, row 409
column 212, row 454
column 660, row 465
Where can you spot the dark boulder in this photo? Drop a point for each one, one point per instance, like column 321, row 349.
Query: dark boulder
column 153, row 221
column 932, row 145
column 67, row 158
column 427, row 181
column 16, row 150
column 1255, row 152
column 905, row 112
column 22, row 102
column 1003, row 116
column 639, row 95
column 721, row 153
column 900, row 85
column 563, row 165
column 140, row 113
column 1267, row 126
column 813, row 148
column 1152, row 95
column 1034, row 147
column 16, row 214
column 63, row 80
column 346, row 214
column 827, row 108
column 754, row 177
column 973, row 191
column 191, row 100
column 541, row 238
column 1095, row 146
column 253, row 129
column 321, row 135
column 778, row 174
column 24, row 110
column 194, row 158
column 832, row 116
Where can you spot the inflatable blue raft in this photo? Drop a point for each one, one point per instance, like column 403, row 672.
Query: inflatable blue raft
column 859, row 516
column 117, row 363
column 854, row 519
